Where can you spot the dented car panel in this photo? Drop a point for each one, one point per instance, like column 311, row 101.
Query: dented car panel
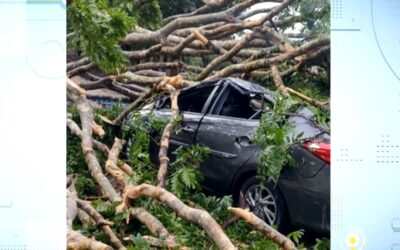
column 230, row 143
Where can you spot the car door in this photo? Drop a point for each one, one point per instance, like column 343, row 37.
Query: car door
column 228, row 132
column 192, row 104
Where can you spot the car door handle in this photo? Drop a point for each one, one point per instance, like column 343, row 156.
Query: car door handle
column 243, row 141
column 188, row 129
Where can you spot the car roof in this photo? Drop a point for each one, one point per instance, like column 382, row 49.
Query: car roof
column 245, row 85
column 240, row 84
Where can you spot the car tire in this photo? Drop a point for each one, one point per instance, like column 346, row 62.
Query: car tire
column 268, row 205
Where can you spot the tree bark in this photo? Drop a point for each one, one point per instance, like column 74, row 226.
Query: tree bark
column 197, row 216
column 76, row 240
column 102, row 223
column 150, row 38
column 280, row 87
column 129, row 108
column 226, row 56
column 112, row 163
column 75, row 130
column 262, row 63
column 86, row 116
column 264, row 228
column 154, row 225
column 164, row 143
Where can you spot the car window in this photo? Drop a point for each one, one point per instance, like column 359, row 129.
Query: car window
column 240, row 105
column 192, row 100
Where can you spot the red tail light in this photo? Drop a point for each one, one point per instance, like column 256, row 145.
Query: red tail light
column 319, row 149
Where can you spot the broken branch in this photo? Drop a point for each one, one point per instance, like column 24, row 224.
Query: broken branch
column 164, row 143
column 197, row 216
column 264, row 228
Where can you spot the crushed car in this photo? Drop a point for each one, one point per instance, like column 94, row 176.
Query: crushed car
column 223, row 115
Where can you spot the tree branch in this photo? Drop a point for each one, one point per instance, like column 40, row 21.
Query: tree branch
column 264, row 228
column 262, row 63
column 193, row 215
column 164, row 142
column 86, row 116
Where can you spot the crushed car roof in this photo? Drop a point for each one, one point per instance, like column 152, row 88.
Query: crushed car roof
column 243, row 86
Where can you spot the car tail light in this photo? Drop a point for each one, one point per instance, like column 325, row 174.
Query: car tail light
column 319, row 149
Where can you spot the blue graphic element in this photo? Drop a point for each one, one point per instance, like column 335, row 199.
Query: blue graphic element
column 365, row 117
column 32, row 59
column 385, row 20
column 345, row 15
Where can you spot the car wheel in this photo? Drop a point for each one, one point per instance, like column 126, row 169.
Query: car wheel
column 266, row 203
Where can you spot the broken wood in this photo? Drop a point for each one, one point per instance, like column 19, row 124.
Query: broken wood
column 197, row 216
column 164, row 142
column 98, row 130
column 211, row 42
column 73, row 86
column 264, row 228
column 280, row 87
column 75, row 130
column 125, row 167
column 156, row 242
column 102, row 223
column 129, row 108
column 112, row 163
column 84, row 218
column 154, row 226
column 322, row 105
column 86, row 116
column 226, row 56
column 75, row 239
column 262, row 63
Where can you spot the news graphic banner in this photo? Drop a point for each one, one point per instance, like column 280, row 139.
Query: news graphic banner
column 365, row 115
column 32, row 111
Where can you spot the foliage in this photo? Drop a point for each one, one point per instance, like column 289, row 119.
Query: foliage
column 98, row 29
column 85, row 185
column 272, row 137
column 322, row 244
column 318, row 13
column 138, row 133
column 186, row 175
column 296, row 236
column 139, row 243
column 314, row 15
column 186, row 158
column 315, row 85
column 147, row 15
column 99, row 26
column 174, row 7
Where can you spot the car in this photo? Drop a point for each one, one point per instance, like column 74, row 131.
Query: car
column 223, row 115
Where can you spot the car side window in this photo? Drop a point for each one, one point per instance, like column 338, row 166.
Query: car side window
column 190, row 100
column 242, row 106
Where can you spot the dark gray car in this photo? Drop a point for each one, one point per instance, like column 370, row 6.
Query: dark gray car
column 223, row 116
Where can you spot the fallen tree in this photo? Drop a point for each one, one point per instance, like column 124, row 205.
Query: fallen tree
column 232, row 39
column 138, row 63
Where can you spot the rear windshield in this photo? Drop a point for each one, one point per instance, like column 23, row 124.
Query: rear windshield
column 303, row 121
